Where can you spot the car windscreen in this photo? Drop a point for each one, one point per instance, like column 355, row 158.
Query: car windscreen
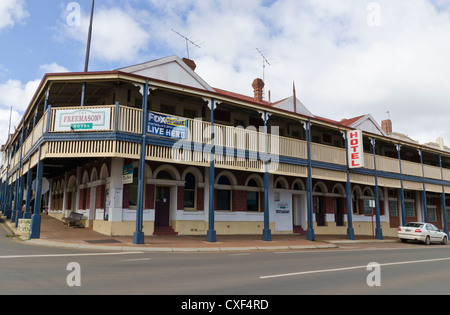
column 413, row 224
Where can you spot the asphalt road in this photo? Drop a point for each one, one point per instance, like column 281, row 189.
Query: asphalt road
column 402, row 269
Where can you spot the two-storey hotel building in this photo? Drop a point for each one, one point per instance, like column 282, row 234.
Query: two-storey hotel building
column 153, row 149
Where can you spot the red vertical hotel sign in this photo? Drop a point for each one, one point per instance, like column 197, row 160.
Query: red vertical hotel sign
column 355, row 149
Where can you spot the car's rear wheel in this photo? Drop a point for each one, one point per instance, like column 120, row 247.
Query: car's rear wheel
column 427, row 240
column 403, row 240
column 444, row 240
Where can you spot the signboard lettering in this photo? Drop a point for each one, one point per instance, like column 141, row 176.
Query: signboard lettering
column 355, row 149
column 166, row 126
column 82, row 119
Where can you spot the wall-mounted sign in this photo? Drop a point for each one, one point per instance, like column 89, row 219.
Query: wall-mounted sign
column 83, row 119
column 127, row 177
column 355, row 149
column 166, row 126
column 282, row 208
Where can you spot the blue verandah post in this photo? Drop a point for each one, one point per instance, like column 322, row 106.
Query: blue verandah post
column 27, row 213
column 21, row 179
column 267, row 233
column 310, row 230
column 211, row 233
column 402, row 190
column 424, row 191
column 35, row 228
column 138, row 237
column 6, row 205
column 378, row 230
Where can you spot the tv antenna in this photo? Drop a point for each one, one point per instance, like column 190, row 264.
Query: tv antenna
column 188, row 41
column 265, row 61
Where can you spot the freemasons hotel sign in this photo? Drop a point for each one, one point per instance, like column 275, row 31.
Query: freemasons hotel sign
column 83, row 119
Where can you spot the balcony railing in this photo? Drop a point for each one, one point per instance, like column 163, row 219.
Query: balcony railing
column 250, row 140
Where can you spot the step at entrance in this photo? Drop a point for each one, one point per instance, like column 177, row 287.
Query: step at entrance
column 164, row 230
column 299, row 230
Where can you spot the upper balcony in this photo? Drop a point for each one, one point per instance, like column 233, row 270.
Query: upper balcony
column 115, row 130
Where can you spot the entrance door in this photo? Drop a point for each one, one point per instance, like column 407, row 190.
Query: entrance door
column 339, row 216
column 318, row 209
column 162, row 206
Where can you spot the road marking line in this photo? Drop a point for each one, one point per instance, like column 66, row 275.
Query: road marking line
column 68, row 255
column 351, row 268
column 142, row 259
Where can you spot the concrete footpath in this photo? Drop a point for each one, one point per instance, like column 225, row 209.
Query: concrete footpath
column 55, row 233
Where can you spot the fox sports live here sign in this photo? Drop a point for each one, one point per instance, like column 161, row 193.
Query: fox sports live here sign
column 82, row 119
column 355, row 149
column 166, row 126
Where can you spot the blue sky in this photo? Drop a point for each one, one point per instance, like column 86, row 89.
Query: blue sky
column 346, row 57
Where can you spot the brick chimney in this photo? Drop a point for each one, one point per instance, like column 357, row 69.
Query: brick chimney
column 258, row 88
column 386, row 125
column 190, row 63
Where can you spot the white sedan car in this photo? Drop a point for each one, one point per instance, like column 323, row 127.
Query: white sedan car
column 420, row 231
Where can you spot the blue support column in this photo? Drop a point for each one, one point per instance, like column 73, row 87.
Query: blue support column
column 16, row 190
column 211, row 235
column 424, row 191
column 138, row 237
column 267, row 233
column 27, row 213
column 378, row 230
column 402, row 190
column 310, row 231
column 35, row 228
column 444, row 206
column 348, row 190
column 2, row 186
column 9, row 204
column 7, row 187
column 19, row 213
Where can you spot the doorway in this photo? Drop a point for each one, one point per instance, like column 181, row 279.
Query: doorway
column 162, row 206
column 339, row 213
column 318, row 210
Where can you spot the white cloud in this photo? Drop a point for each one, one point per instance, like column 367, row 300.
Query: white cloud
column 117, row 35
column 11, row 12
column 342, row 66
column 52, row 68
column 17, row 95
column 5, row 115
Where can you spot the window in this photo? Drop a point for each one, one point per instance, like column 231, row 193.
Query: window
column 164, row 175
column 355, row 202
column 189, row 192
column 133, row 192
column 367, row 207
column 252, row 197
column 393, row 208
column 166, row 109
column 409, row 209
column 432, row 214
column 224, row 195
column 189, row 113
